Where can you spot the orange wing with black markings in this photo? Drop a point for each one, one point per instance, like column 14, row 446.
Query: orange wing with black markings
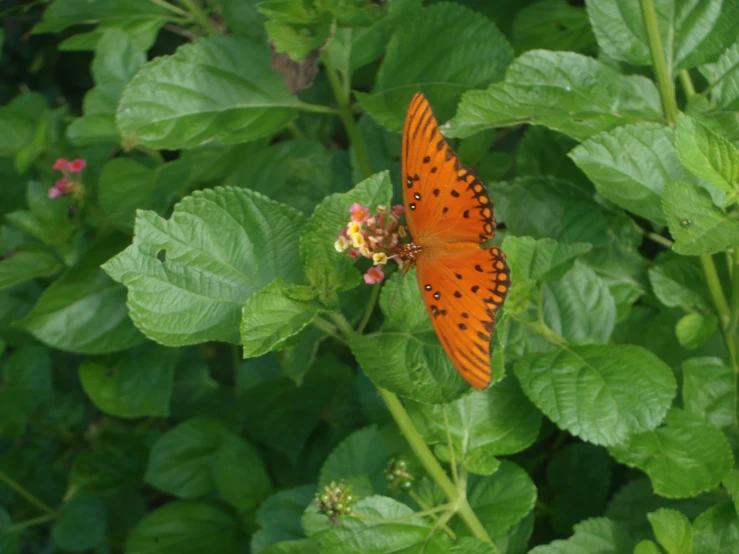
column 449, row 215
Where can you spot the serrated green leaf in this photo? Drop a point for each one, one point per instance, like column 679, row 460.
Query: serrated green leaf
column 709, row 390
column 691, row 33
column 593, row 535
column 694, row 329
column 327, row 269
column 687, row 455
column 707, row 155
column 723, row 77
column 502, row 499
column 579, row 306
column 483, row 424
column 404, row 355
column 355, row 535
column 573, row 94
column 243, row 242
column 542, row 260
column 716, row 530
column 24, row 264
column 81, row 523
column 631, row 165
column 181, row 461
column 673, row 531
column 240, row 476
column 279, row 517
column 272, row 315
column 580, row 476
column 137, row 383
column 454, row 48
column 187, row 528
column 84, row 311
column 65, row 13
column 647, row 547
column 359, row 460
column 296, row 28
column 679, row 282
column 553, row 25
column 601, row 394
column 217, row 88
column 696, row 224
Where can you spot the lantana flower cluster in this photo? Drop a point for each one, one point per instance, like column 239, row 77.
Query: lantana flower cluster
column 70, row 183
column 375, row 236
column 335, row 500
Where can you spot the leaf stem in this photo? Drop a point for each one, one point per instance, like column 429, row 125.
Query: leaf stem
column 171, row 7
column 327, row 328
column 435, row 471
column 200, row 16
column 663, row 73
column 23, row 525
column 345, row 113
column 734, row 308
column 368, row 309
column 722, row 307
column 687, row 83
column 415, row 515
column 452, row 460
column 343, row 325
column 317, row 108
column 659, row 239
column 424, row 506
column 26, row 494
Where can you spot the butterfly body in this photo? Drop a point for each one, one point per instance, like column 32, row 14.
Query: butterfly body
column 449, row 216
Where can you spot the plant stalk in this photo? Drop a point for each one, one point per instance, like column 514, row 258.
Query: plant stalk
column 661, row 70
column 200, row 16
column 687, row 83
column 27, row 494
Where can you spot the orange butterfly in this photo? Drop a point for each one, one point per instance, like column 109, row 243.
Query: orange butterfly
column 449, row 215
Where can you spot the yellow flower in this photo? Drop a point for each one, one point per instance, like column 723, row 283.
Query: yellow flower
column 353, row 227
column 364, row 251
column 380, row 258
column 357, row 239
column 341, row 244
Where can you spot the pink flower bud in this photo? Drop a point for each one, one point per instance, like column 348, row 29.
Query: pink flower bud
column 76, row 165
column 60, row 164
column 374, row 275
column 359, row 213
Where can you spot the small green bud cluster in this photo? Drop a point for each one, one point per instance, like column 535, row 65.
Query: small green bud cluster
column 397, row 474
column 335, row 500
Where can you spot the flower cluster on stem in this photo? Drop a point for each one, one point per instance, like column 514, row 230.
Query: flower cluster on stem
column 374, row 236
column 70, row 182
column 335, row 500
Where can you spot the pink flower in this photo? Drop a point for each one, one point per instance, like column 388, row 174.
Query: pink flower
column 397, row 210
column 54, row 192
column 60, row 164
column 76, row 165
column 374, row 275
column 59, row 188
column 354, row 254
column 359, row 213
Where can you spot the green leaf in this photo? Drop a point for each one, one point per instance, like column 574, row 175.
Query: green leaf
column 8, row 541
column 500, row 500
column 24, row 264
column 679, row 282
column 580, row 476
column 684, row 457
column 240, row 476
column 708, row 155
column 84, row 311
column 274, row 314
column 360, row 460
column 296, row 28
column 126, row 185
column 243, row 18
column 136, row 383
column 723, row 78
column 599, row 535
column 631, row 165
column 647, row 547
column 305, row 546
column 716, row 530
column 81, row 523
column 709, row 390
column 691, row 33
column 26, row 375
column 553, row 25
column 327, row 269
column 731, row 484
column 673, row 531
column 579, row 306
column 185, row 287
column 116, row 61
column 217, row 88
column 187, row 528
column 542, row 152
column 454, row 49
column 495, row 422
column 696, row 224
column 279, row 517
column 599, row 393
column 373, row 537
column 404, row 356
column 694, row 329
column 542, row 260
column 573, row 94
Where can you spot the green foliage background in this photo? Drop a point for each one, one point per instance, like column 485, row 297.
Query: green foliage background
column 185, row 361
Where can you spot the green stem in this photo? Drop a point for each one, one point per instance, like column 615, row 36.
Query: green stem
column 687, row 83
column 424, row 506
column 171, row 7
column 734, row 308
column 200, row 16
column 659, row 239
column 23, row 525
column 369, row 309
column 548, row 335
column 26, row 494
column 343, row 325
column 722, row 307
column 452, row 460
column 717, row 81
column 662, row 72
column 295, row 130
column 317, row 108
column 456, row 496
column 327, row 328
column 415, row 515
column 345, row 113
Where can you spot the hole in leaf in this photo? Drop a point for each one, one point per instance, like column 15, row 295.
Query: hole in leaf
column 162, row 255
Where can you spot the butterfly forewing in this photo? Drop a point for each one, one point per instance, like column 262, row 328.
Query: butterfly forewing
column 449, row 214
